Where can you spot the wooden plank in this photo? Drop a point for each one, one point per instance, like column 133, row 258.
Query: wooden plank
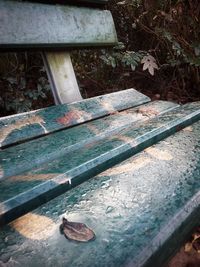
column 36, row 123
column 62, row 77
column 30, row 189
column 36, row 25
column 48, row 148
column 141, row 211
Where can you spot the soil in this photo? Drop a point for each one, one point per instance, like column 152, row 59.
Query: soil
column 189, row 254
column 185, row 259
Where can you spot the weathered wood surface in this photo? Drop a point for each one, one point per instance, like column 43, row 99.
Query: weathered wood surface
column 22, row 192
column 28, row 125
column 62, row 77
column 25, row 156
column 36, row 25
column 141, row 211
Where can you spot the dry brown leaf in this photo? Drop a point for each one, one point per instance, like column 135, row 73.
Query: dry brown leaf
column 188, row 247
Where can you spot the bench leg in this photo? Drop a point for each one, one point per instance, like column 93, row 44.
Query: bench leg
column 62, row 77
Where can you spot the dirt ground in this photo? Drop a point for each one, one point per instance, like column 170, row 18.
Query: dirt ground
column 189, row 254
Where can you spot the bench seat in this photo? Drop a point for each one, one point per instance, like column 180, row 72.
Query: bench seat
column 140, row 210
column 37, row 170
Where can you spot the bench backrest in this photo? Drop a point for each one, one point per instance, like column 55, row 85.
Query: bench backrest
column 36, row 25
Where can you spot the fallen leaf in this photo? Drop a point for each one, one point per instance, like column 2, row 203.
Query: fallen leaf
column 149, row 63
column 188, row 247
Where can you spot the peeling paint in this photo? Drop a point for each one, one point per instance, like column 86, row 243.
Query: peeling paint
column 159, row 154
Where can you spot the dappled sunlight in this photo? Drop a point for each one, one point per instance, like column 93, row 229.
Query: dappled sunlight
column 130, row 112
column 93, row 129
column 108, row 106
column 159, row 154
column 133, row 164
column 127, row 140
column 188, row 129
column 33, row 177
column 34, row 226
column 147, row 111
column 119, row 121
column 7, row 129
column 2, row 208
column 131, row 184
column 1, row 172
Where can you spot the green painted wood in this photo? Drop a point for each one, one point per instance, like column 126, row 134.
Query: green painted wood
column 134, row 208
column 22, row 192
column 37, row 25
column 20, row 127
column 23, row 157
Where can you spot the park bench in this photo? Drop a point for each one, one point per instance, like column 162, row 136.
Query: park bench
column 126, row 166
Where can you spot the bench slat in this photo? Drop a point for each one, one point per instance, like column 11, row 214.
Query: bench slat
column 77, row 166
column 44, row 121
column 45, row 149
column 134, row 208
column 34, row 25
